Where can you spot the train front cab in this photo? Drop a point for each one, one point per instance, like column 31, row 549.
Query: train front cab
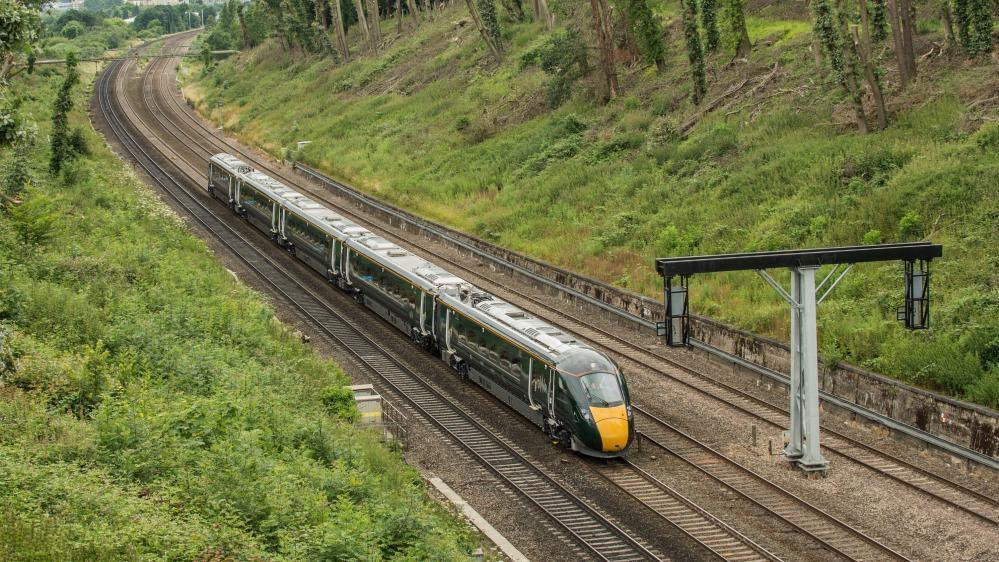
column 602, row 418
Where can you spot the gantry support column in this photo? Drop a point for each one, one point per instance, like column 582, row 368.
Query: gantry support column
column 803, row 445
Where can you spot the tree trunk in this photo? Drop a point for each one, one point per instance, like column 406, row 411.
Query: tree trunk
column 817, row 51
column 745, row 46
column 494, row 48
column 950, row 39
column 602, row 26
column 908, row 13
column 543, row 14
column 363, row 22
column 374, row 20
column 341, row 35
column 514, row 9
column 898, row 14
column 627, row 37
column 414, row 13
column 864, row 53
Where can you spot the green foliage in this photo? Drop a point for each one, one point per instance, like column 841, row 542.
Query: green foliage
column 825, row 28
column 695, row 55
column 487, row 11
column 61, row 145
column 595, row 188
column 563, row 57
column 647, row 32
column 878, row 20
column 974, row 26
column 73, row 29
column 709, row 22
column 15, row 174
column 910, row 226
column 734, row 14
column 155, row 408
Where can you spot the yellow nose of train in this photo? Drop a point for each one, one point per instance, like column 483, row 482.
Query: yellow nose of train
column 612, row 423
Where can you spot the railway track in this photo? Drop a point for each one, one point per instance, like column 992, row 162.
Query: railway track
column 712, row 533
column 592, row 530
column 830, row 532
column 938, row 487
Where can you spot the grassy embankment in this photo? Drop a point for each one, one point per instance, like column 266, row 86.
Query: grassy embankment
column 152, row 407
column 432, row 125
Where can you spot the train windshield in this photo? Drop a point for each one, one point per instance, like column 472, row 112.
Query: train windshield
column 602, row 390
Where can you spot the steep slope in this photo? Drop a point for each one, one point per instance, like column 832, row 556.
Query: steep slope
column 432, row 124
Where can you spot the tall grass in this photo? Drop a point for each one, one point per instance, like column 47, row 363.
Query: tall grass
column 152, row 407
column 432, row 127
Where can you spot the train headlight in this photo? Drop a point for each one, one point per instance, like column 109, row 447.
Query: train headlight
column 586, row 414
column 630, row 415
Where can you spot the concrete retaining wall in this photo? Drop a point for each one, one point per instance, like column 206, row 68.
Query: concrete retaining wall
column 965, row 424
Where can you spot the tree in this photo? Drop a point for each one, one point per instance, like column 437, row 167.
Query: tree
column 901, row 19
column 826, row 28
column 688, row 10
column 61, row 145
column 862, row 50
column 362, row 20
column 514, row 9
column 19, row 24
column 487, row 11
column 647, row 32
column 494, row 45
column 605, row 45
column 735, row 17
column 710, row 24
column 72, row 30
column 974, row 26
column 341, row 35
column 543, row 14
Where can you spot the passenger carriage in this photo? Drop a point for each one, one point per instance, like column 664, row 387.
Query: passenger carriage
column 576, row 394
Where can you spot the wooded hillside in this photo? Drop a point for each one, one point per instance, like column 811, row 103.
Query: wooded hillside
column 600, row 135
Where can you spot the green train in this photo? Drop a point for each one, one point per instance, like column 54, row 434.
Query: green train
column 575, row 393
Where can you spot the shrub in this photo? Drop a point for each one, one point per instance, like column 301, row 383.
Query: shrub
column 563, row 58
column 910, row 226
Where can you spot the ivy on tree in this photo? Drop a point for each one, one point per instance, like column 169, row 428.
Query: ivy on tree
column 62, row 140
column 695, row 54
column 487, row 11
column 735, row 18
column 709, row 22
column 647, row 32
column 974, row 26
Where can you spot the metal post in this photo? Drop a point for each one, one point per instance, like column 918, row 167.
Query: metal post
column 794, row 449
column 809, row 454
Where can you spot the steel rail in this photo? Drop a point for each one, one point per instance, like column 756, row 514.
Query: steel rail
column 796, row 512
column 934, row 485
column 693, row 520
column 588, row 526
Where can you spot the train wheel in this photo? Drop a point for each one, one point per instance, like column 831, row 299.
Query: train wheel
column 463, row 371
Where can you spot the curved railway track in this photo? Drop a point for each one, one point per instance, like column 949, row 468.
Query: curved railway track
column 601, row 537
column 665, row 503
column 940, row 488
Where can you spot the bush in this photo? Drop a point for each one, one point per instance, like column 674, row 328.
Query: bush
column 563, row 57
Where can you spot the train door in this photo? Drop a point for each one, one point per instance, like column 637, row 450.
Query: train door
column 540, row 391
column 276, row 212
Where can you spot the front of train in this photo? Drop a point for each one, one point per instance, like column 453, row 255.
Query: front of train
column 603, row 423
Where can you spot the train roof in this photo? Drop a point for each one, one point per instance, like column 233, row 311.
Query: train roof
column 231, row 163
column 541, row 335
column 534, row 331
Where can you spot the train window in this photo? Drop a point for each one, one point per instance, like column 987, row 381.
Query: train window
column 602, row 389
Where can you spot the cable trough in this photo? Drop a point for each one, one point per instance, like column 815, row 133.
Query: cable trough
column 599, row 535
